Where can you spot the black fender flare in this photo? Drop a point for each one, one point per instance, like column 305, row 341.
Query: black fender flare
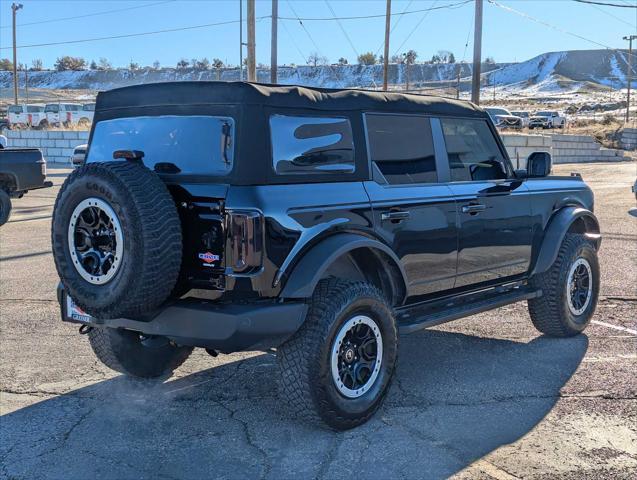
column 556, row 230
column 310, row 269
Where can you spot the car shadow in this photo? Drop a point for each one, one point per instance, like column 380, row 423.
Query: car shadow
column 455, row 398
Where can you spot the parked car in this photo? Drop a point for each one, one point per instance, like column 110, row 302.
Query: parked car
column 502, row 118
column 21, row 170
column 79, row 155
column 26, row 115
column 237, row 216
column 63, row 113
column 547, row 119
column 524, row 115
column 88, row 110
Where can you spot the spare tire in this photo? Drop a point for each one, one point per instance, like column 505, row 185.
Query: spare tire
column 116, row 239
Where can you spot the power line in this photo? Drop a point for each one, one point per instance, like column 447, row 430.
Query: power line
column 342, row 29
column 129, row 35
column 40, row 22
column 400, row 17
column 605, row 4
column 559, row 29
column 415, row 28
column 296, row 45
column 613, row 16
column 362, row 17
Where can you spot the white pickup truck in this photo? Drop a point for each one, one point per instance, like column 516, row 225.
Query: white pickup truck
column 547, row 119
column 26, row 115
column 63, row 113
column 88, row 111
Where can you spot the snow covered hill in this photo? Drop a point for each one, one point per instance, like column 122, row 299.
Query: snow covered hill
column 549, row 72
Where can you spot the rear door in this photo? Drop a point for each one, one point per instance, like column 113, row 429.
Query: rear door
column 413, row 213
column 494, row 210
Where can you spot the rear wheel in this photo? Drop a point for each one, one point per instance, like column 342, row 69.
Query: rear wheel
column 338, row 367
column 570, row 289
column 5, row 207
column 134, row 354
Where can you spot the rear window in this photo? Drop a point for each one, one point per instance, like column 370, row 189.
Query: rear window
column 69, row 107
column 15, row 109
column 402, row 148
column 201, row 145
column 89, row 107
column 52, row 108
column 34, row 108
column 311, row 145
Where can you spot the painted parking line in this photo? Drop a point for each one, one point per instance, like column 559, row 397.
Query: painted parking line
column 616, row 327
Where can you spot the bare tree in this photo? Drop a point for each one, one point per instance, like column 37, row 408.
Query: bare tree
column 104, row 64
column 203, row 64
column 315, row 59
column 70, row 63
column 6, row 64
column 156, row 65
column 342, row 61
column 182, row 64
column 367, row 58
column 36, row 65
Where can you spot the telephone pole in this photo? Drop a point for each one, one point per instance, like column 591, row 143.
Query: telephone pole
column 241, row 40
column 252, row 64
column 629, row 75
column 477, row 53
column 386, row 54
column 273, row 42
column 14, row 8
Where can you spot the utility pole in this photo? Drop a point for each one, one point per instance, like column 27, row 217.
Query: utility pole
column 252, row 64
column 629, row 75
column 494, row 83
column 477, row 53
column 26, row 83
column 273, row 41
column 241, row 40
column 14, row 8
column 386, row 54
column 458, row 67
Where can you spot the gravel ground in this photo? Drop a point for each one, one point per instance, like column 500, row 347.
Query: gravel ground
column 484, row 397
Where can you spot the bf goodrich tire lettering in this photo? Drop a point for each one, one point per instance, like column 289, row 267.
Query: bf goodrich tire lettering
column 131, row 221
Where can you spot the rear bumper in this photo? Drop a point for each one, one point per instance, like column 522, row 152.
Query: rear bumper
column 200, row 323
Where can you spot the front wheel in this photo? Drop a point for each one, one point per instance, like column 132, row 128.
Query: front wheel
column 5, row 207
column 338, row 367
column 134, row 354
column 570, row 289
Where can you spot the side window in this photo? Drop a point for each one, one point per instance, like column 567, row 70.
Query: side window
column 473, row 152
column 402, row 148
column 311, row 145
column 15, row 109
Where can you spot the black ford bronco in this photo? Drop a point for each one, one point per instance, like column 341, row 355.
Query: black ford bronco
column 320, row 223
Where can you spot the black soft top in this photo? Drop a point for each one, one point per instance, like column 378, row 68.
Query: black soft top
column 252, row 104
column 286, row 96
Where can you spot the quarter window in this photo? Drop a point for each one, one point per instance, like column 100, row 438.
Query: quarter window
column 311, row 145
column 402, row 148
column 472, row 150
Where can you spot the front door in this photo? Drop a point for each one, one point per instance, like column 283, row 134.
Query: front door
column 494, row 210
column 413, row 214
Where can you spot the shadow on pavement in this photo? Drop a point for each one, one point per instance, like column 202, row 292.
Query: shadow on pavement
column 456, row 398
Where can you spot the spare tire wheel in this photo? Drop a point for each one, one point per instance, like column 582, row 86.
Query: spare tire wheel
column 116, row 239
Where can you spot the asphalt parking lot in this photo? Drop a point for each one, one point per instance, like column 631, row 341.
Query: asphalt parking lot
column 484, row 397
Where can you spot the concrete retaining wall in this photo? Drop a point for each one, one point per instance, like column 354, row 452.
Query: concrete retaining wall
column 563, row 148
column 629, row 138
column 56, row 145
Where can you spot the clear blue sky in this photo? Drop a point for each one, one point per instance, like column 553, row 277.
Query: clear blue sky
column 506, row 36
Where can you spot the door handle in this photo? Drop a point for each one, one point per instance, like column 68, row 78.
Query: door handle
column 395, row 215
column 473, row 208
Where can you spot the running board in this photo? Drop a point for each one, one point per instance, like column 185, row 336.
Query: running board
column 419, row 317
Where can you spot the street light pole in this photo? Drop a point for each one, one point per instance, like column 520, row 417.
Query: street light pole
column 629, row 75
column 14, row 8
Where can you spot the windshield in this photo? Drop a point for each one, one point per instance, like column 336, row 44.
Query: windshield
column 497, row 111
column 15, row 109
column 520, row 114
column 52, row 107
column 199, row 145
column 34, row 108
column 545, row 114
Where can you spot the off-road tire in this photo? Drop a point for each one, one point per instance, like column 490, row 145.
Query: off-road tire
column 550, row 313
column 124, row 352
column 305, row 380
column 5, row 207
column 152, row 242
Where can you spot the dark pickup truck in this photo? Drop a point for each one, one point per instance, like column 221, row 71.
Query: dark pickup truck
column 21, row 170
column 320, row 223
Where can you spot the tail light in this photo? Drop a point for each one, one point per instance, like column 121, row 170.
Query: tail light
column 245, row 241
column 68, row 117
column 30, row 119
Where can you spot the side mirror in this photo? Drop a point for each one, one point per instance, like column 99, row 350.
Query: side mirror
column 538, row 164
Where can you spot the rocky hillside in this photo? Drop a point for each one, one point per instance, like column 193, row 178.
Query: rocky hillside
column 555, row 71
